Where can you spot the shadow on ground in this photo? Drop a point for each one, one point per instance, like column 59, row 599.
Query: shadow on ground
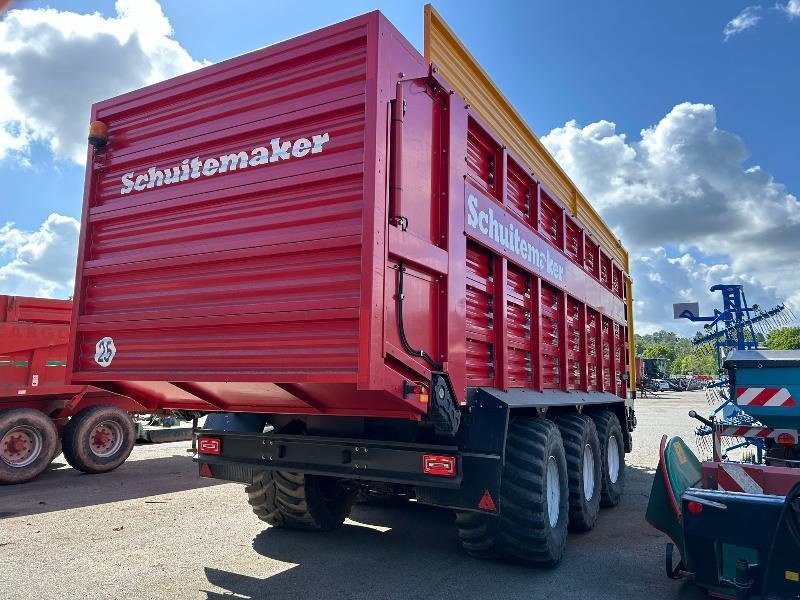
column 413, row 552
column 65, row 488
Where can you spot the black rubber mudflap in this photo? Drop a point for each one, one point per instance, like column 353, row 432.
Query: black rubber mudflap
column 443, row 411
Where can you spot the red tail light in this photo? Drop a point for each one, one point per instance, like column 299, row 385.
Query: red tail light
column 436, row 464
column 209, row 445
column 695, row 507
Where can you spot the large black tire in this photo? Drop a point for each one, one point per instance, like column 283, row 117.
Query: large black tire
column 298, row 501
column 27, row 444
column 583, row 467
column 609, row 432
column 524, row 532
column 98, row 439
column 60, row 424
column 58, row 449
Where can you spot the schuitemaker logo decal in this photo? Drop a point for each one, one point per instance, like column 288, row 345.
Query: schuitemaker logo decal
column 193, row 168
column 486, row 220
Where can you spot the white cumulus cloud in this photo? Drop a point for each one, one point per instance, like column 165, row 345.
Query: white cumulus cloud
column 41, row 262
column 791, row 8
column 55, row 64
column 662, row 278
column 746, row 19
column 682, row 200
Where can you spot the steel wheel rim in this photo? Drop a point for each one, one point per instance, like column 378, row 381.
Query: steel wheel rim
column 588, row 472
column 105, row 439
column 613, row 459
column 21, row 446
column 553, row 492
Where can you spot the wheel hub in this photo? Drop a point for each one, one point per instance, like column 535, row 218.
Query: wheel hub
column 553, row 492
column 588, row 472
column 105, row 439
column 613, row 459
column 21, row 446
column 16, row 444
column 101, row 438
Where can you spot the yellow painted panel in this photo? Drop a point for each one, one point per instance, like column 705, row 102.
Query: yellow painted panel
column 462, row 71
column 631, row 340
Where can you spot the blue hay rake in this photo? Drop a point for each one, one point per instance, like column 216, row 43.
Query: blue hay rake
column 737, row 326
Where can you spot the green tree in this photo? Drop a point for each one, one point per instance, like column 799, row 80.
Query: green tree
column 682, row 356
column 660, row 350
column 680, row 366
column 785, row 338
column 694, row 364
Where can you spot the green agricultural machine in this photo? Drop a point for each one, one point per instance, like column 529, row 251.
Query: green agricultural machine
column 736, row 525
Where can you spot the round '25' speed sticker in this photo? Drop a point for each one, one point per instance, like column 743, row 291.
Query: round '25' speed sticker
column 104, row 351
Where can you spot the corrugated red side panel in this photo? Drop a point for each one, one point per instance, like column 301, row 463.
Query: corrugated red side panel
column 520, row 192
column 591, row 259
column 575, row 348
column 620, row 356
column 616, row 281
column 551, row 337
column 573, row 245
column 257, row 270
column 593, row 350
column 25, row 309
column 480, row 317
column 605, row 270
column 234, row 242
column 607, row 345
column 518, row 297
column 33, row 346
column 34, row 334
column 550, row 220
column 482, row 159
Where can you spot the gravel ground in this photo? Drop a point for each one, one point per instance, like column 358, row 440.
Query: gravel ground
column 153, row 529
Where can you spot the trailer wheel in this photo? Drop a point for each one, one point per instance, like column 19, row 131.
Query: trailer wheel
column 584, row 469
column 58, row 449
column 533, row 504
column 60, row 424
column 27, row 443
column 612, row 457
column 98, row 439
column 298, row 501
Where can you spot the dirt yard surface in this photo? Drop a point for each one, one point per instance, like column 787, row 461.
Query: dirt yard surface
column 153, row 529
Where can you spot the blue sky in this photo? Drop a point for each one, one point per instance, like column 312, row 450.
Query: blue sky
column 614, row 68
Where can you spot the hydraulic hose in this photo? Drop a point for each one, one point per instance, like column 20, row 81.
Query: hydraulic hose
column 401, row 329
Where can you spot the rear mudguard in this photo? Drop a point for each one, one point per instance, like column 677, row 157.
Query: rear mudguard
column 678, row 470
column 782, row 575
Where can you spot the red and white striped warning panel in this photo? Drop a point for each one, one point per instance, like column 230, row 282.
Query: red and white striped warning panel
column 764, row 396
column 758, row 432
column 755, row 479
column 734, row 477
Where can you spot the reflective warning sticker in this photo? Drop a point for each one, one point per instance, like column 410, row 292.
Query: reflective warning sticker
column 487, row 503
column 678, row 449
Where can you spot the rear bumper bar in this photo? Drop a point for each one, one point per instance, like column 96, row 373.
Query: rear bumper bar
column 371, row 460
column 243, row 455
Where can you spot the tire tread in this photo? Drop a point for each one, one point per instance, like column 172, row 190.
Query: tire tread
column 285, row 499
column 606, row 421
column 521, row 532
column 578, row 430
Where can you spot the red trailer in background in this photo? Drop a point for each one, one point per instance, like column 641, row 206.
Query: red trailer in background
column 375, row 287
column 38, row 411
